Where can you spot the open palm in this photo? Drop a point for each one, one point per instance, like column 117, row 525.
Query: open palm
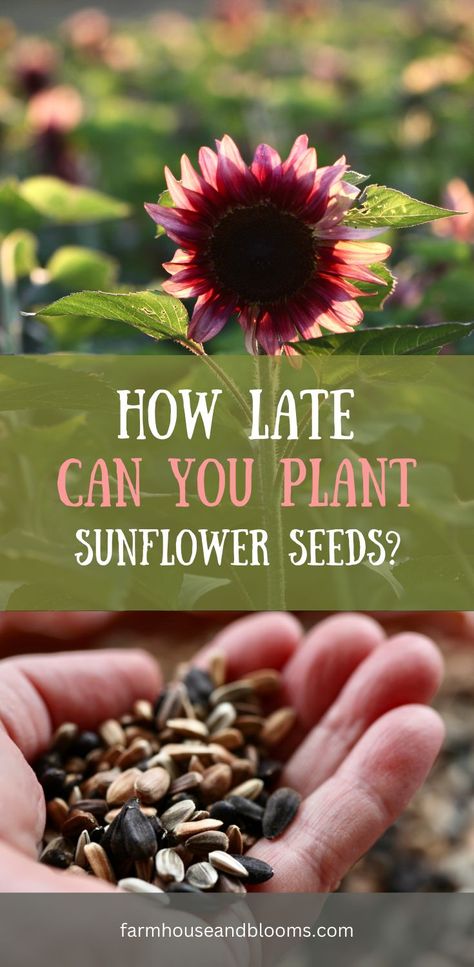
column 363, row 744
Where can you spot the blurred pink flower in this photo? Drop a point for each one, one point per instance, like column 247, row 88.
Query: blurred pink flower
column 457, row 197
column 59, row 107
column 266, row 242
column 87, row 30
column 33, row 63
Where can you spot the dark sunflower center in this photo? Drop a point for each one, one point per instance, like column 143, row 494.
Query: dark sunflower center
column 261, row 254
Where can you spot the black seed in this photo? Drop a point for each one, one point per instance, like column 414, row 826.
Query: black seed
column 86, row 742
column 268, row 769
column 52, row 781
column 58, row 853
column 97, row 835
column 135, row 832
column 51, row 760
column 225, row 811
column 258, row 871
column 246, row 807
column 182, row 888
column 98, row 807
column 280, row 810
column 199, row 685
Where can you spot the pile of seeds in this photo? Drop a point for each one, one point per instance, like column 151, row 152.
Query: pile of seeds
column 171, row 797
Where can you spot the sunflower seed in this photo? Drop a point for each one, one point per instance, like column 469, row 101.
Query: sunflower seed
column 246, row 809
column 143, row 710
column 199, row 685
column 202, row 875
column 277, row 726
column 123, row 787
column 184, row 830
column 57, row 811
column 186, row 749
column 170, row 704
column 79, row 855
column 178, row 813
column 77, row 822
column 112, row 733
column 249, row 725
column 229, row 884
column 137, row 832
column 97, row 785
column 191, row 728
column 139, row 749
column 280, row 810
column 57, row 853
column 152, row 785
column 132, row 884
column 145, row 869
column 258, row 871
column 64, row 736
column 231, row 692
column 229, row 738
column 216, row 782
column 203, row 842
column 265, row 681
column 191, row 780
column 226, row 863
column 221, row 717
column 99, row 862
column 235, row 839
column 169, row 865
column 217, row 668
column 182, row 888
column 250, row 789
column 97, row 807
column 225, row 811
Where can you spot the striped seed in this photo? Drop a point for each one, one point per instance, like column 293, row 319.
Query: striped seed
column 203, row 876
column 228, row 864
column 180, row 812
column 99, row 862
column 169, row 865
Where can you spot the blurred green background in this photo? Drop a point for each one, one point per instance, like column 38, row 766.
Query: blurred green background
column 105, row 101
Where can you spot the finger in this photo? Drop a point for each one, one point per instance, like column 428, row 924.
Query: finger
column 319, row 669
column 19, row 874
column 263, row 640
column 341, row 820
column 39, row 692
column 403, row 670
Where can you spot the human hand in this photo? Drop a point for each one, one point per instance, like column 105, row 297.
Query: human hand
column 363, row 745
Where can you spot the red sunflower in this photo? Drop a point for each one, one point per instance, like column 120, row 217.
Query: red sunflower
column 266, row 243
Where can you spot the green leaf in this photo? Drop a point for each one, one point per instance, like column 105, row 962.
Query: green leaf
column 15, row 211
column 393, row 341
column 75, row 267
column 153, row 313
column 63, row 203
column 355, row 178
column 380, row 207
column 20, row 249
column 166, row 200
column 377, row 293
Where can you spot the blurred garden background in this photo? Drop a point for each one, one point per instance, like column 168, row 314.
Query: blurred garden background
column 104, row 98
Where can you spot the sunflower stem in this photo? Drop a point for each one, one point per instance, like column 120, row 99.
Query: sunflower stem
column 267, row 467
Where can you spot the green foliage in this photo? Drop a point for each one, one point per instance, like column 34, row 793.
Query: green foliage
column 154, row 314
column 384, row 207
column 73, row 267
column 166, row 200
column 377, row 294
column 64, row 203
column 396, row 341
